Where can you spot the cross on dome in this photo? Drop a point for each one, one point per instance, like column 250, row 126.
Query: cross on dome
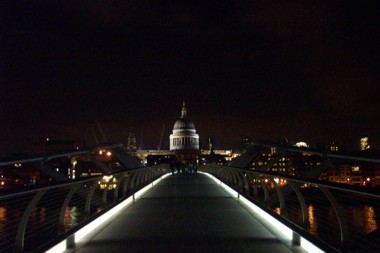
column 183, row 112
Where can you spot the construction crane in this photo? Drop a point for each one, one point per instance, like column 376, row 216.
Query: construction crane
column 101, row 131
column 162, row 135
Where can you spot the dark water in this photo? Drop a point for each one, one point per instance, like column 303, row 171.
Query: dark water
column 42, row 225
column 362, row 219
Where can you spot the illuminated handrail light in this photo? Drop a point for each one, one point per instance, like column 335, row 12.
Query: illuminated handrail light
column 87, row 229
column 232, row 192
column 81, row 233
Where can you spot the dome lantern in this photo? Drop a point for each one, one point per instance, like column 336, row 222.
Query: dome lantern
column 183, row 112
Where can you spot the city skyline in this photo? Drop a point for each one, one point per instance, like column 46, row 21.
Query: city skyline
column 97, row 133
column 302, row 71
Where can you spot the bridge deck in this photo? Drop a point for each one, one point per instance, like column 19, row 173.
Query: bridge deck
column 185, row 213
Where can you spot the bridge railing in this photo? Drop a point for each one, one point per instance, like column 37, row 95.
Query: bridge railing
column 35, row 218
column 335, row 217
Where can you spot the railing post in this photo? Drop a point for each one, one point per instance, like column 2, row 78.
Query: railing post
column 245, row 182
column 105, row 191
column 88, row 199
column 305, row 214
column 19, row 245
column 126, row 184
column 344, row 235
column 283, row 211
column 116, row 192
column 255, row 192
column 296, row 239
column 266, row 193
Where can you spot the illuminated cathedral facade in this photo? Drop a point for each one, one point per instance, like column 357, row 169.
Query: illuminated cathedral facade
column 184, row 141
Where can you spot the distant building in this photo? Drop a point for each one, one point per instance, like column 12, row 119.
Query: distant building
column 228, row 154
column 304, row 164
column 210, row 144
column 376, row 177
column 159, row 159
column 21, row 175
column 245, row 142
column 301, row 144
column 184, row 141
column 370, row 173
column 364, row 145
column 332, row 146
column 344, row 173
column 132, row 146
column 282, row 166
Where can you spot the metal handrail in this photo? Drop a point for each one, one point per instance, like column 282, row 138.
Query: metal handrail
column 278, row 200
column 44, row 213
column 62, row 195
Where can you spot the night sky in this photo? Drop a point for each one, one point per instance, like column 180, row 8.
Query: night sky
column 302, row 70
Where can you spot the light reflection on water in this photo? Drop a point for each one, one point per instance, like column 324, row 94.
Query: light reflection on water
column 312, row 220
column 364, row 218
column 75, row 215
column 323, row 223
column 3, row 219
column 72, row 215
column 359, row 218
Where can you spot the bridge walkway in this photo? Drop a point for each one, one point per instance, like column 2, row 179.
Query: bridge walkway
column 185, row 213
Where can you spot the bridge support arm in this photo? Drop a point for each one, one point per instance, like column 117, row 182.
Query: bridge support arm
column 127, row 161
column 47, row 169
column 101, row 165
column 344, row 234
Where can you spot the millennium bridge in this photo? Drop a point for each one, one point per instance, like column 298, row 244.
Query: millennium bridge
column 216, row 208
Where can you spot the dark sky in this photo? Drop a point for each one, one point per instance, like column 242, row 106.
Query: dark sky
column 304, row 70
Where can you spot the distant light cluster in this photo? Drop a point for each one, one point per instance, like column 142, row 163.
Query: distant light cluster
column 364, row 145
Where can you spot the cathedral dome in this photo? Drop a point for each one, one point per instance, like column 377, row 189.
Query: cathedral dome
column 183, row 123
